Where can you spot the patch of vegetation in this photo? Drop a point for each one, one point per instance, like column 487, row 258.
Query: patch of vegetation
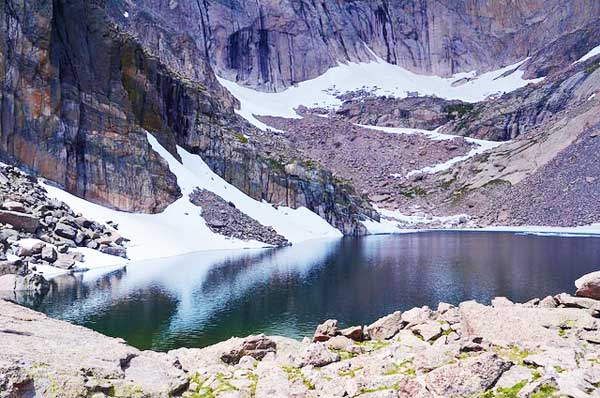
column 275, row 164
column 513, row 353
column 374, row 345
column 295, row 373
column 405, row 367
column 412, row 192
column 591, row 68
column 458, row 110
column 545, row 391
column 344, row 354
column 206, row 391
column 241, row 137
column 376, row 389
column 349, row 372
column 507, row 392
column 562, row 332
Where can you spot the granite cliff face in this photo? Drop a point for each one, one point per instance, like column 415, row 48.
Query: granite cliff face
column 65, row 112
column 273, row 44
column 79, row 94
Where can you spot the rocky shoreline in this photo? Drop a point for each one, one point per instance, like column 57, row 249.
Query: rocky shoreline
column 37, row 231
column 546, row 347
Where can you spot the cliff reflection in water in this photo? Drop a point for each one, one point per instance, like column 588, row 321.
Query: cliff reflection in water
column 203, row 298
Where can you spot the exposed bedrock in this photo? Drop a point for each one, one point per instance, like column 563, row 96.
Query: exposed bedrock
column 79, row 95
column 65, row 112
column 274, row 44
column 517, row 113
column 542, row 348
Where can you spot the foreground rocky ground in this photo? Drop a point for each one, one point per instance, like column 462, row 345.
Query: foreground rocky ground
column 543, row 348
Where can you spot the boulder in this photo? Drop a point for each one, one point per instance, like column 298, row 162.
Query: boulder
column 523, row 326
column 255, row 346
column 13, row 267
column 49, row 254
column 317, row 354
column 326, row 330
column 29, row 247
column 354, row 333
column 20, row 221
column 386, row 327
column 589, row 286
column 115, row 251
column 501, row 302
column 429, row 330
column 64, row 261
column 32, row 283
column 469, row 377
column 339, row 343
column 416, row 316
column 567, row 300
column 12, row 205
column 65, row 231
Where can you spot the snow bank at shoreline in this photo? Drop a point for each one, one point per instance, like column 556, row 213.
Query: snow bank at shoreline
column 180, row 228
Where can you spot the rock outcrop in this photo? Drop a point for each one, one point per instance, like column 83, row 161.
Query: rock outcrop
column 81, row 121
column 36, row 230
column 541, row 348
column 274, row 44
column 522, row 110
column 224, row 218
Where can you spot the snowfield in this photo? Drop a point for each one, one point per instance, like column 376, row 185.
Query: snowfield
column 181, row 229
column 378, row 77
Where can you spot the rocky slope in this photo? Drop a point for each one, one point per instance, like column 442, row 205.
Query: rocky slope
column 36, row 231
column 542, row 348
column 275, row 44
column 81, row 122
column 547, row 175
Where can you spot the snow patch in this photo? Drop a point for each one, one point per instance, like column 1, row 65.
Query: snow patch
column 592, row 53
column 181, row 229
column 393, row 221
column 480, row 146
column 378, row 77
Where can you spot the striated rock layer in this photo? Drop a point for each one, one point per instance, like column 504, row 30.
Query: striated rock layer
column 274, row 44
column 78, row 94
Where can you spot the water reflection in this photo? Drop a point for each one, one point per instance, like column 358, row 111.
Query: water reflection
column 202, row 298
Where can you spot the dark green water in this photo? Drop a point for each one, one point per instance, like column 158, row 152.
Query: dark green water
column 199, row 299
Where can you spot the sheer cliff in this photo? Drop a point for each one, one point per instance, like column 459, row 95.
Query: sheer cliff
column 272, row 44
column 79, row 94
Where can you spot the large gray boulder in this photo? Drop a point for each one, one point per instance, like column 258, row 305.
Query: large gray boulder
column 317, row 354
column 51, row 357
column 589, row 286
column 255, row 346
column 386, row 327
column 326, row 330
column 467, row 378
column 20, row 221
